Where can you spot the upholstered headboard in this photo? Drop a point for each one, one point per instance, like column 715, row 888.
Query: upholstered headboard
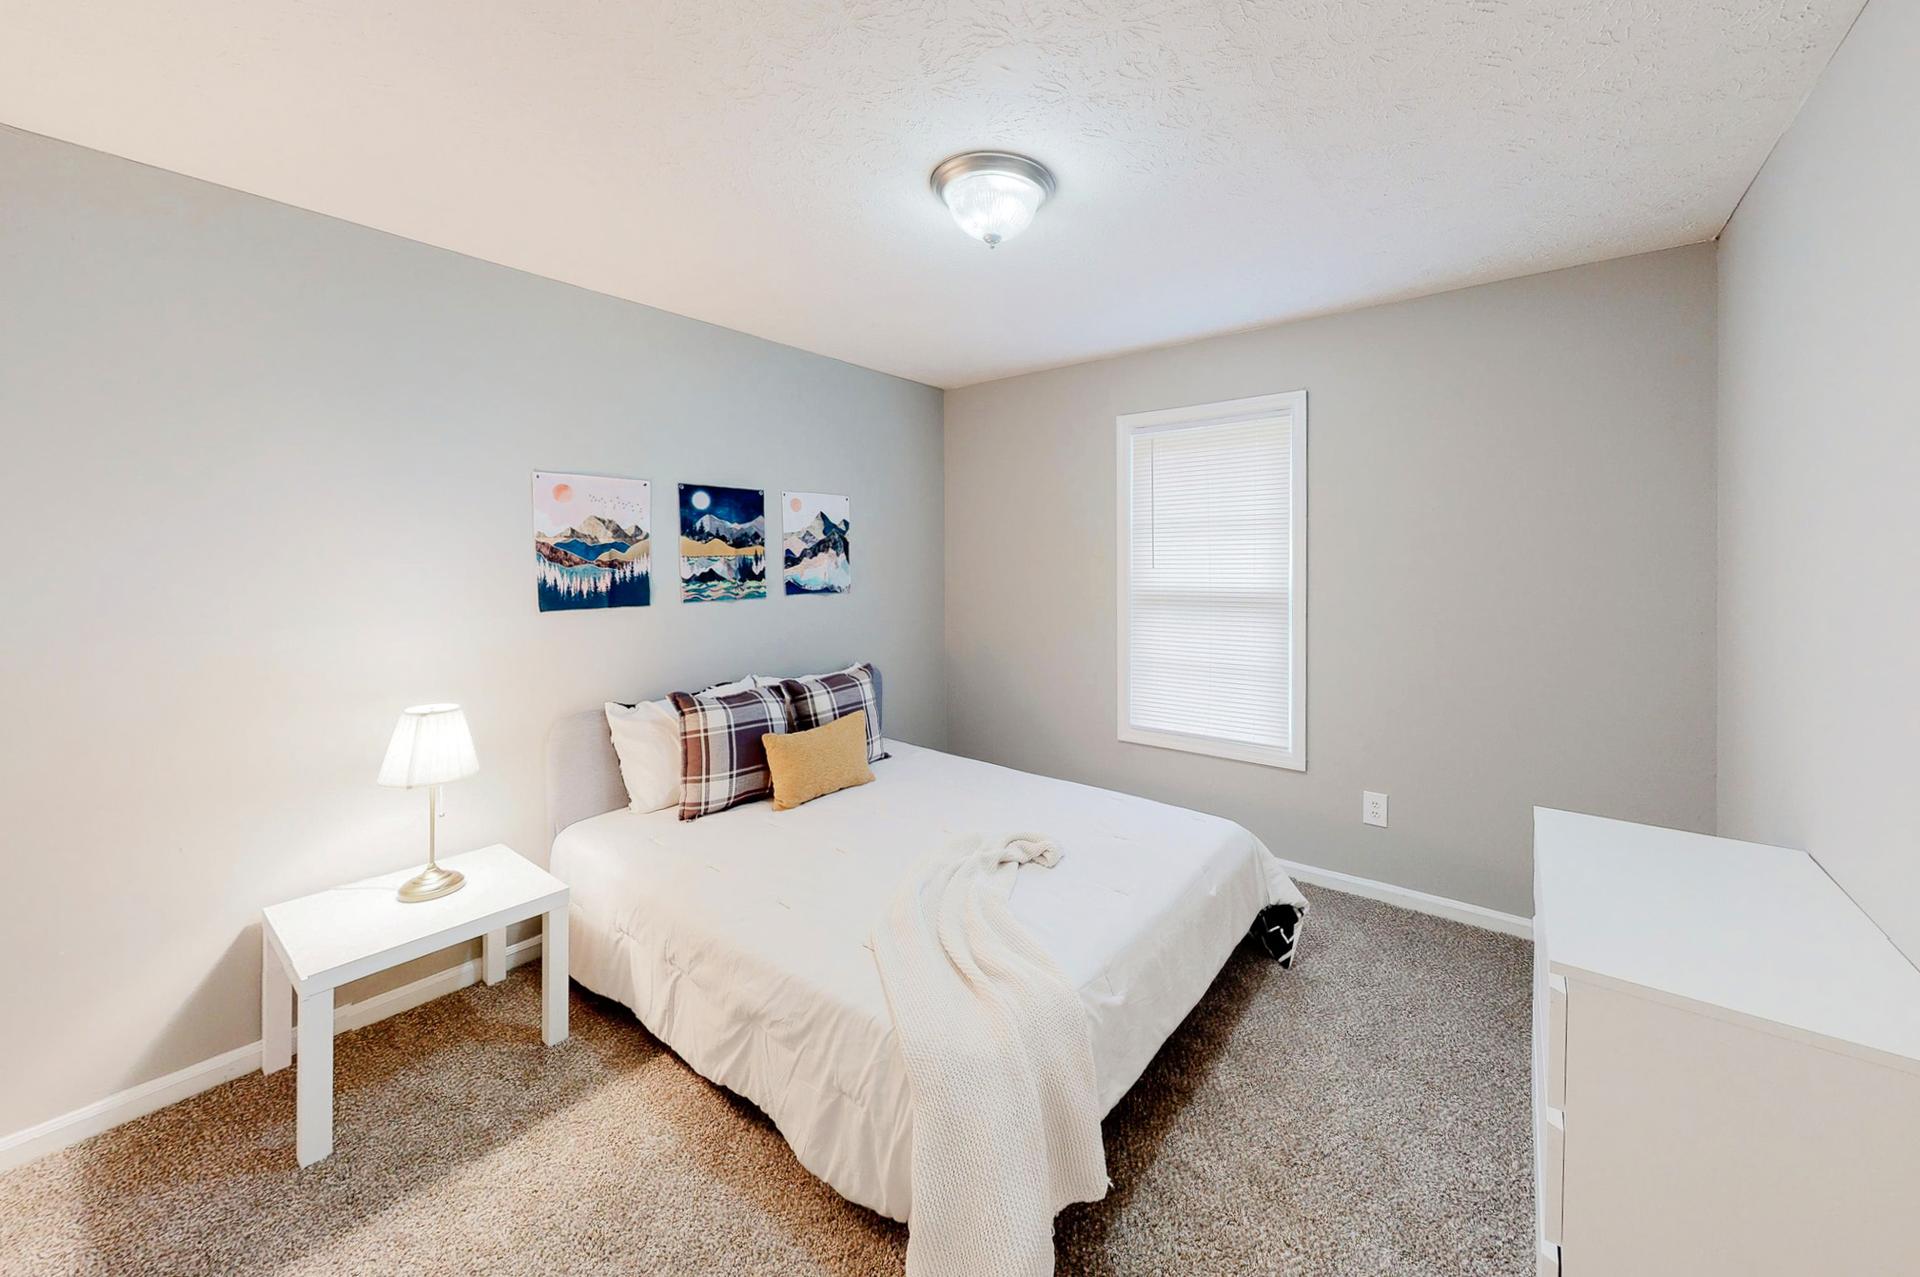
column 583, row 773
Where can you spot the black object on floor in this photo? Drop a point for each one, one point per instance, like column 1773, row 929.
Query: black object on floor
column 1277, row 928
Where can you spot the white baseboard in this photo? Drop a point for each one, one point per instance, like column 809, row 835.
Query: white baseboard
column 137, row 1101
column 57, row 1133
column 357, row 1015
column 1418, row 901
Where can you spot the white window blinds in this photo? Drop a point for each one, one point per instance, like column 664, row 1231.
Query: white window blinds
column 1210, row 598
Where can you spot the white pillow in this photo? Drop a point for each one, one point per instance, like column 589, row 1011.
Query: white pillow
column 769, row 680
column 746, row 684
column 647, row 739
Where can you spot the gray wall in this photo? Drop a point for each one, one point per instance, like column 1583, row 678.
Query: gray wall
column 267, row 483
column 1820, row 481
column 1511, row 579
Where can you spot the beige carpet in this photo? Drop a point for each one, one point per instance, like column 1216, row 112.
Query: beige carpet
column 1365, row 1113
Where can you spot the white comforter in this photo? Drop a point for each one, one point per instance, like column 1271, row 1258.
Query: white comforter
column 741, row 939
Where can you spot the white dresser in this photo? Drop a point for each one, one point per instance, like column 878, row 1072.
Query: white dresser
column 1726, row 1065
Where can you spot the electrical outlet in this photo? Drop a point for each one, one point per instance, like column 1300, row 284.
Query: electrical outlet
column 1373, row 808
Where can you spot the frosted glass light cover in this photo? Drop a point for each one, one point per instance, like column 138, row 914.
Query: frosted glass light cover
column 993, row 207
column 431, row 746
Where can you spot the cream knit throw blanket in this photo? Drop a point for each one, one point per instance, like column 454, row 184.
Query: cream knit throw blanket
column 1006, row 1115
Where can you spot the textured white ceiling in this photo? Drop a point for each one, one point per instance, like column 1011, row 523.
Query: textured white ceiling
column 763, row 165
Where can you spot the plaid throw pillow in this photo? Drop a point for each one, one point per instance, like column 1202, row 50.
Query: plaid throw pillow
column 722, row 762
column 820, row 698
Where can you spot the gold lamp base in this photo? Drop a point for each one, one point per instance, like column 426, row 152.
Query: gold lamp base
column 431, row 883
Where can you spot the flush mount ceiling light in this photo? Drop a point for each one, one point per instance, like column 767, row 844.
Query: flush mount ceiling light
column 993, row 195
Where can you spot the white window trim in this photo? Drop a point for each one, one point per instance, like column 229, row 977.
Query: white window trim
column 1294, row 403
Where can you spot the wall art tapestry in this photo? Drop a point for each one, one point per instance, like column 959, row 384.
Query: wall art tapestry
column 815, row 543
column 591, row 543
column 723, row 543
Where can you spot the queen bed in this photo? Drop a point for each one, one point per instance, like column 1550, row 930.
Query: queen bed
column 742, row 939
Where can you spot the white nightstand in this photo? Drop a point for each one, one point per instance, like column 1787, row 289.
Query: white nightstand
column 312, row 945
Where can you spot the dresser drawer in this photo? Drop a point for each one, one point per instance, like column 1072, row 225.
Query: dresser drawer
column 1556, row 1055
column 1553, row 1158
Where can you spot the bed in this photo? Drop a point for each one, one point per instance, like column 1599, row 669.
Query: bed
column 741, row 940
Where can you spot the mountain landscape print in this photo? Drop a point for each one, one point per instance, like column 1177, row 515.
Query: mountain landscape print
column 591, row 543
column 723, row 543
column 814, row 546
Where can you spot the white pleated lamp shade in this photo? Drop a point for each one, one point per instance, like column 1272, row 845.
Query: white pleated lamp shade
column 431, row 746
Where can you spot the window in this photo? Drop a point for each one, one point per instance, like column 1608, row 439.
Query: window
column 1213, row 520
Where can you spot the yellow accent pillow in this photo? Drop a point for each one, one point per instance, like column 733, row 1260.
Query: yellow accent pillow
column 807, row 765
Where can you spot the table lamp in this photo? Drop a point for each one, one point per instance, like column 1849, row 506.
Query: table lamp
column 431, row 746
